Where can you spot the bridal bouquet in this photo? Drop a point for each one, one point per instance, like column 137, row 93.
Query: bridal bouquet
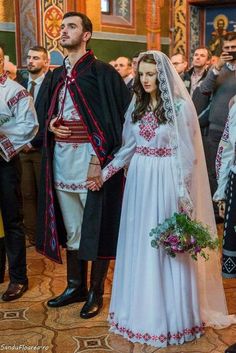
column 180, row 234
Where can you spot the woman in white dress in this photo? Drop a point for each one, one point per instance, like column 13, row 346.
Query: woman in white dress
column 155, row 298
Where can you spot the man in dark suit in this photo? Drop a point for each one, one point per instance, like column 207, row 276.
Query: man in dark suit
column 38, row 85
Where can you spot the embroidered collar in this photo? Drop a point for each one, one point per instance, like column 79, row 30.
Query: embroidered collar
column 3, row 78
column 85, row 61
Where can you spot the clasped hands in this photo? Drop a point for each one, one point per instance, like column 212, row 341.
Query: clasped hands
column 94, row 178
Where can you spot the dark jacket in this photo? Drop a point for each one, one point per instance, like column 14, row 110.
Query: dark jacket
column 42, row 104
column 101, row 99
column 200, row 101
column 222, row 88
column 187, row 77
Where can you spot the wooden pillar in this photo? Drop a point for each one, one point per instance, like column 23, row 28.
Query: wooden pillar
column 153, row 24
column 75, row 5
column 180, row 26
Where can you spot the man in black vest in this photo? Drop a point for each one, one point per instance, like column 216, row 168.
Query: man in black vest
column 38, row 85
column 89, row 99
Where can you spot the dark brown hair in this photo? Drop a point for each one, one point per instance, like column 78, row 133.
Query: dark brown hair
column 143, row 98
column 86, row 22
column 230, row 36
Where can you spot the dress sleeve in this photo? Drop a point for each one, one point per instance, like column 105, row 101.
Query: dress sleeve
column 125, row 153
column 183, row 142
column 225, row 155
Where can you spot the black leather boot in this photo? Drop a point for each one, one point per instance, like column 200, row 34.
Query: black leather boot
column 76, row 290
column 231, row 349
column 2, row 260
column 94, row 303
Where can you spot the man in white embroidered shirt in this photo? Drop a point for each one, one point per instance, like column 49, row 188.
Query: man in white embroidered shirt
column 18, row 125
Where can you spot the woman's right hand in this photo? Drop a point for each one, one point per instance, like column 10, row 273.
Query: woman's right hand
column 59, row 130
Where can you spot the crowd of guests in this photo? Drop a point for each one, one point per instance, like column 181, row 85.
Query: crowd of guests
column 72, row 131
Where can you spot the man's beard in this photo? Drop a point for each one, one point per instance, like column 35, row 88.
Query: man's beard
column 34, row 70
column 74, row 45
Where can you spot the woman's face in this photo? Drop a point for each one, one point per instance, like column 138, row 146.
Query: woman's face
column 148, row 77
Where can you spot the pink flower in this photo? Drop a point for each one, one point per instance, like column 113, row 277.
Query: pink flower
column 197, row 249
column 173, row 239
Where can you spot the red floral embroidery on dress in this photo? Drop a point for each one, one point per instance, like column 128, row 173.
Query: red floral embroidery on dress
column 74, row 187
column 148, row 124
column 3, row 79
column 219, row 160
column 157, row 152
column 162, row 338
column 110, row 171
column 20, row 95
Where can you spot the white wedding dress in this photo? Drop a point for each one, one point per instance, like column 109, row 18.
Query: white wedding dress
column 154, row 297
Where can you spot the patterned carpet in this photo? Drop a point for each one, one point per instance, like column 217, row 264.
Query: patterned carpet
column 27, row 325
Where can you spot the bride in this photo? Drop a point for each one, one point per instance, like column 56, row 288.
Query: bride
column 156, row 299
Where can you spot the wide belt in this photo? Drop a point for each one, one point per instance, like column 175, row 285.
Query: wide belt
column 78, row 132
column 155, row 152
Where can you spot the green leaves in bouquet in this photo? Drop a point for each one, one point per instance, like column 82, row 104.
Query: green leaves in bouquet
column 180, row 234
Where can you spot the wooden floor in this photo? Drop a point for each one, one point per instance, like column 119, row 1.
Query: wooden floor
column 30, row 323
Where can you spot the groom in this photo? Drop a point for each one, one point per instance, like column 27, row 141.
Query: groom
column 84, row 131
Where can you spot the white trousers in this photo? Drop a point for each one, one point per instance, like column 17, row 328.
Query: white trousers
column 72, row 208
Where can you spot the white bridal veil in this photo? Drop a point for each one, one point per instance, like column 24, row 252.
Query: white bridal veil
column 193, row 183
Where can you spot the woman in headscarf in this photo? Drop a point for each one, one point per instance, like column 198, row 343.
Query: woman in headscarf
column 157, row 299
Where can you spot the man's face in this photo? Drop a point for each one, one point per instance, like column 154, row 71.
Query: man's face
column 200, row 58
column 72, row 34
column 220, row 24
column 37, row 61
column 179, row 64
column 134, row 65
column 123, row 67
column 229, row 45
column 1, row 61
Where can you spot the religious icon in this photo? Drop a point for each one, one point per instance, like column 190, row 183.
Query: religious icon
column 220, row 24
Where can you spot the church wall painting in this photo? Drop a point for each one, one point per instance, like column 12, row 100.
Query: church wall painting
column 52, row 16
column 218, row 21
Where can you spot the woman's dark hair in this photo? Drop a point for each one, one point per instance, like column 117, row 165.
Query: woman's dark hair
column 143, row 98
